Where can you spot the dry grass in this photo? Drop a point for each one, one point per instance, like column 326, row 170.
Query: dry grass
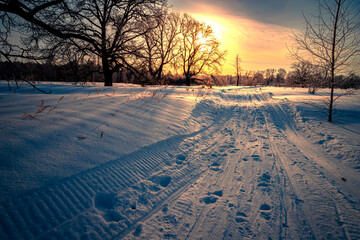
column 41, row 108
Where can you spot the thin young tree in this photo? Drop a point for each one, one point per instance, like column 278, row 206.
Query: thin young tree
column 199, row 50
column 330, row 40
column 238, row 69
column 103, row 29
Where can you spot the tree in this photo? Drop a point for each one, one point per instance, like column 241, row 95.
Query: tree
column 332, row 42
column 238, row 69
column 199, row 50
column 308, row 75
column 280, row 76
column 160, row 44
column 270, row 75
column 102, row 29
column 302, row 73
column 259, row 78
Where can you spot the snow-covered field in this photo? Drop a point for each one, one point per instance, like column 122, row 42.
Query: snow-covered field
column 131, row 162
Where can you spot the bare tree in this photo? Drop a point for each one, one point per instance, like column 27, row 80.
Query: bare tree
column 238, row 69
column 302, row 73
column 160, row 44
column 259, row 78
column 270, row 75
column 305, row 74
column 103, row 29
column 280, row 76
column 332, row 41
column 199, row 50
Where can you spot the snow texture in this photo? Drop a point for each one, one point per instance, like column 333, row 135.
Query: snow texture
column 131, row 162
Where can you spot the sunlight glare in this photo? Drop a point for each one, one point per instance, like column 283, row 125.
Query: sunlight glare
column 260, row 45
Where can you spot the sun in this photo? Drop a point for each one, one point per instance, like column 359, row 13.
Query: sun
column 215, row 25
column 202, row 40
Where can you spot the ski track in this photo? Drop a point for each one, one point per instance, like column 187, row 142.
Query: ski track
column 247, row 175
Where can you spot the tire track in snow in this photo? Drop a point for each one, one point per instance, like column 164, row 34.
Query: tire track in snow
column 293, row 222
column 89, row 198
column 60, row 203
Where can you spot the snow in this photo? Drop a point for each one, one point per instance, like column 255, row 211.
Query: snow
column 131, row 162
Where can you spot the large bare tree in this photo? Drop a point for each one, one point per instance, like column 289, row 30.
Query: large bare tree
column 160, row 44
column 199, row 50
column 331, row 40
column 106, row 30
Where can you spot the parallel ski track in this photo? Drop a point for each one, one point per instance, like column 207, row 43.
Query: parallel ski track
column 325, row 209
column 238, row 135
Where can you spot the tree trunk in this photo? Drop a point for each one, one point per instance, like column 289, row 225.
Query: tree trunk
column 159, row 75
column 237, row 80
column 107, row 72
column 332, row 83
column 331, row 100
column 108, row 78
column 188, row 82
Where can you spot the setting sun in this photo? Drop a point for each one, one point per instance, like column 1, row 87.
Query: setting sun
column 260, row 45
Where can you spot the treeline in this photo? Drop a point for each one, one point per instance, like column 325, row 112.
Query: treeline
column 109, row 41
column 302, row 75
column 79, row 73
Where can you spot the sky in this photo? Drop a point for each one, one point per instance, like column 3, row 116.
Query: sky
column 259, row 31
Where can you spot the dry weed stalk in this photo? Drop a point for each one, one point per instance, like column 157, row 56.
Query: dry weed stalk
column 41, row 107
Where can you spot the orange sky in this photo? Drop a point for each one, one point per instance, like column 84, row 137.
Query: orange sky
column 259, row 45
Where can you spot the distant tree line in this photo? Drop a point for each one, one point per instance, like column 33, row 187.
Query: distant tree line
column 101, row 40
column 302, row 74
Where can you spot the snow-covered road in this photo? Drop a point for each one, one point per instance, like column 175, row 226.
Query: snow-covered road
column 247, row 171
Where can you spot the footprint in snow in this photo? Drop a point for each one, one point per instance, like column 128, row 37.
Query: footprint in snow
column 215, row 164
column 162, row 180
column 215, row 169
column 180, row 159
column 105, row 202
column 209, row 199
column 241, row 217
column 241, row 214
column 265, row 208
column 212, row 198
column 264, row 180
column 240, row 220
column 256, row 157
column 217, row 193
